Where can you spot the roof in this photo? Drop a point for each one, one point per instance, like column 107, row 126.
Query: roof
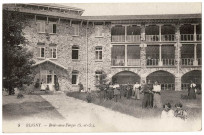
column 54, row 5
column 48, row 60
column 138, row 17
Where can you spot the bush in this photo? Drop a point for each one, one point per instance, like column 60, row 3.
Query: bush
column 20, row 95
column 37, row 83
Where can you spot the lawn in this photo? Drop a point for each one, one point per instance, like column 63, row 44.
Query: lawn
column 31, row 106
column 134, row 107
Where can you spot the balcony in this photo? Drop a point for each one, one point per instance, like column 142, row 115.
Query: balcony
column 198, row 37
column 118, row 38
column 152, row 62
column 187, row 61
column 152, row 38
column 168, row 62
column 168, row 37
column 118, row 62
column 187, row 37
column 133, row 62
column 133, row 38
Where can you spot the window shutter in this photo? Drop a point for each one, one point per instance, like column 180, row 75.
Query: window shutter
column 38, row 52
column 50, row 53
column 50, row 28
column 38, row 27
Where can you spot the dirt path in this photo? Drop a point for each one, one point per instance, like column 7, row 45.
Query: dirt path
column 103, row 119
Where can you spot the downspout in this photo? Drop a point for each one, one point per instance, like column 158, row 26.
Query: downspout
column 87, row 56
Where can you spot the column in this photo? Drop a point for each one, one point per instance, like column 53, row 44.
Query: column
column 177, row 48
column 195, row 61
column 143, row 55
column 194, row 35
column 125, row 33
column 178, row 82
column 160, row 56
column 142, row 79
column 160, row 32
column 125, row 55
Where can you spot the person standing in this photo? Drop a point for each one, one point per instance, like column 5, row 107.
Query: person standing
column 136, row 90
column 116, row 92
column 147, row 100
column 157, row 95
column 151, row 96
column 191, row 90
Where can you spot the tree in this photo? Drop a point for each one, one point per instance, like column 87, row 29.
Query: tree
column 17, row 60
column 102, row 81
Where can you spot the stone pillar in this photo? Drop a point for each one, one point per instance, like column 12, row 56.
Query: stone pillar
column 194, row 35
column 195, row 61
column 160, row 56
column 143, row 55
column 177, row 55
column 178, row 82
column 160, row 25
column 142, row 32
column 143, row 78
column 125, row 55
column 125, row 33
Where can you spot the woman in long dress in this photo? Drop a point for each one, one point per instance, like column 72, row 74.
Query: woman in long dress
column 157, row 95
column 191, row 90
column 136, row 90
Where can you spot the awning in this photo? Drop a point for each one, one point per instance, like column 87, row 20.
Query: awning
column 49, row 61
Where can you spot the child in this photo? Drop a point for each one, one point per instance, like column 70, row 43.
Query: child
column 167, row 113
column 179, row 112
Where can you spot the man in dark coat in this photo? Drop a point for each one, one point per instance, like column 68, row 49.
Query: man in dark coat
column 148, row 96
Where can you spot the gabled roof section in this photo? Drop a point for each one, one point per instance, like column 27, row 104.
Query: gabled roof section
column 49, row 61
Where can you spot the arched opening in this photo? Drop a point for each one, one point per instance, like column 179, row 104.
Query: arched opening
column 166, row 79
column 194, row 76
column 126, row 77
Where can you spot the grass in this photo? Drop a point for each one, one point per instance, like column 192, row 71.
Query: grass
column 31, row 106
column 134, row 107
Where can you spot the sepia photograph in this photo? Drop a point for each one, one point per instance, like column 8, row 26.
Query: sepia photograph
column 101, row 67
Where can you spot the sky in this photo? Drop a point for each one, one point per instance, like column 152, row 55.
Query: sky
column 95, row 9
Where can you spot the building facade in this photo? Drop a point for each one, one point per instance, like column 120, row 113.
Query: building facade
column 70, row 48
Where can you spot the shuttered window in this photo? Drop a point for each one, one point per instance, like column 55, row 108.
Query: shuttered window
column 41, row 27
column 52, row 28
column 76, row 29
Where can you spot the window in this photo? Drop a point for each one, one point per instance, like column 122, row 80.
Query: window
column 75, row 52
column 99, row 30
column 52, row 28
column 41, row 27
column 98, row 76
column 41, row 52
column 98, row 51
column 74, row 77
column 53, row 53
column 76, row 29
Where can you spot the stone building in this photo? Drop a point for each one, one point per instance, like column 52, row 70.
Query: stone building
column 70, row 48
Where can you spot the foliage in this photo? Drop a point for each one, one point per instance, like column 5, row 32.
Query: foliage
column 17, row 60
column 37, row 83
column 20, row 95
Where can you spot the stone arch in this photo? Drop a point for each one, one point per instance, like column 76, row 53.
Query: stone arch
column 171, row 71
column 125, row 77
column 186, row 70
column 165, row 78
column 193, row 75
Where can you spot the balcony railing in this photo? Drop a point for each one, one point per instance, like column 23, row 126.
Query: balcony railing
column 167, row 86
column 118, row 38
column 187, row 37
column 152, row 62
column 133, row 38
column 169, row 37
column 199, row 61
column 133, row 62
column 168, row 62
column 187, row 61
column 198, row 37
column 118, row 62
column 151, row 38
column 184, row 86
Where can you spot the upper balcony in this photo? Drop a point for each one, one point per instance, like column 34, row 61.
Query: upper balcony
column 155, row 33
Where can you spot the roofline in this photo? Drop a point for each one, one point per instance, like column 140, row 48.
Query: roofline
column 53, row 6
column 48, row 60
